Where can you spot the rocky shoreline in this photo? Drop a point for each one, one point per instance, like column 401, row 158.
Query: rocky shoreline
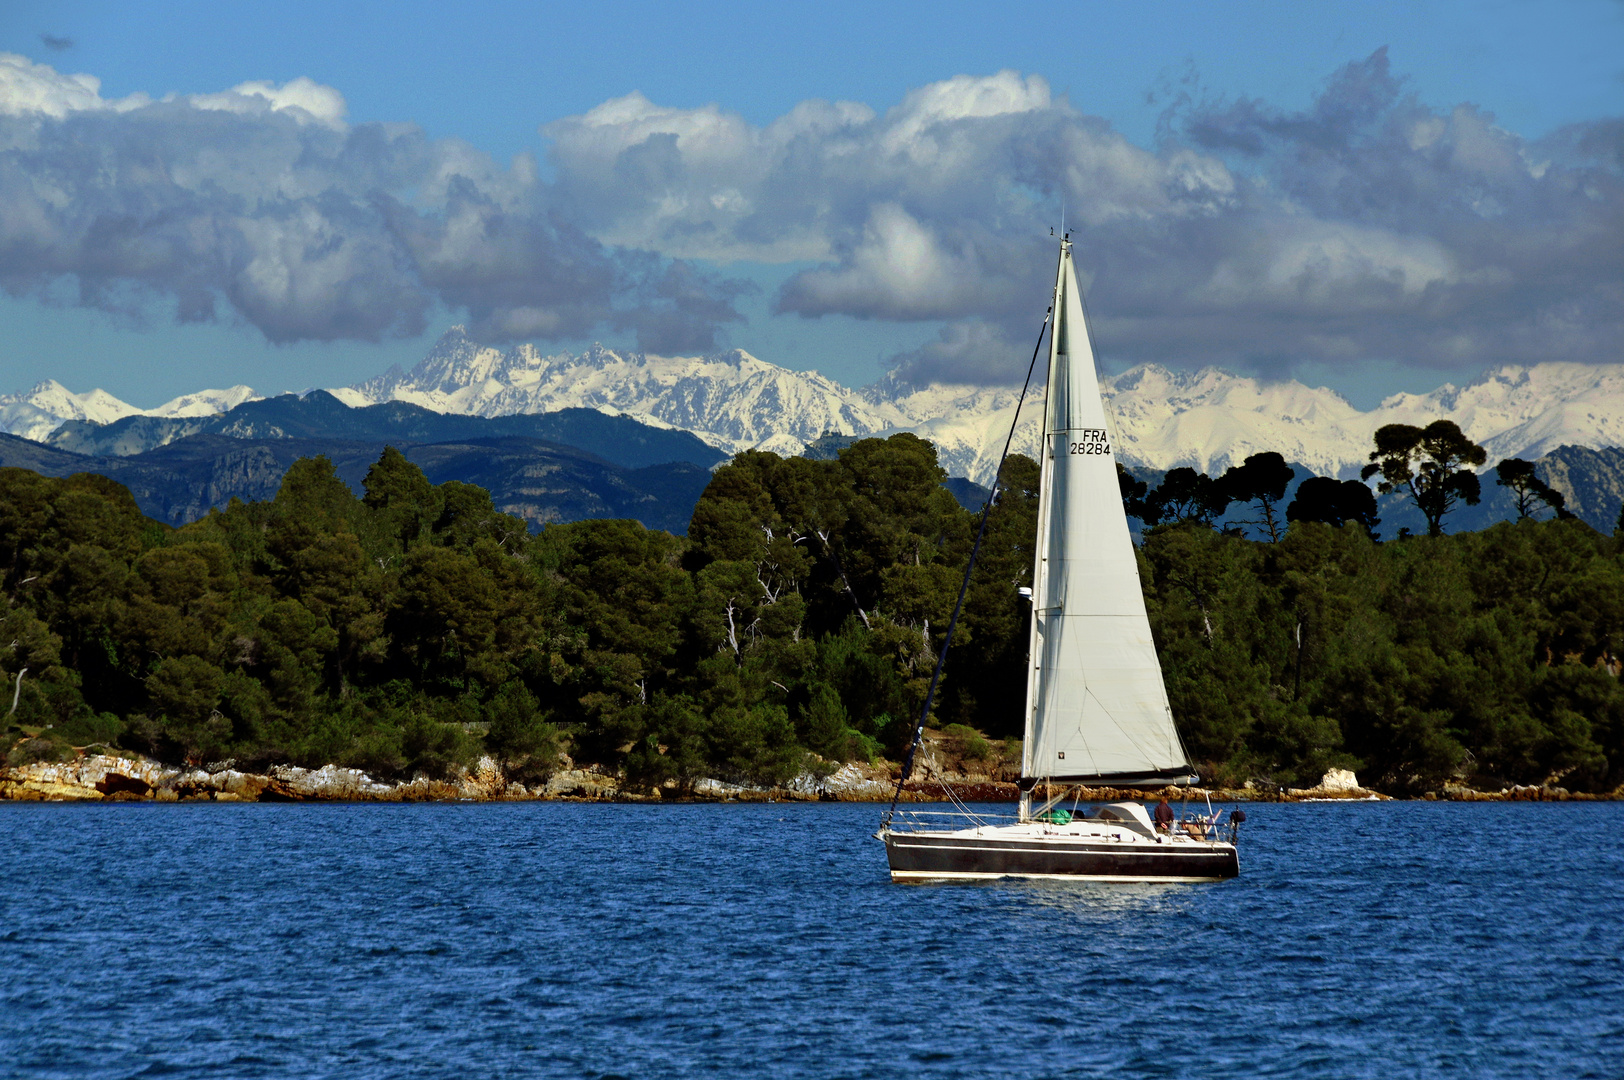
column 121, row 778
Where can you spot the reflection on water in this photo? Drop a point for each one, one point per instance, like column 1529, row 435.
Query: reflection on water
column 1103, row 902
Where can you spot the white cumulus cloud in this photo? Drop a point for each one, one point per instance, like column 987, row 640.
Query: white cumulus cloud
column 1368, row 225
column 262, row 203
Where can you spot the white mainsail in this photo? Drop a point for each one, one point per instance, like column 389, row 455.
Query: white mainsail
column 1096, row 707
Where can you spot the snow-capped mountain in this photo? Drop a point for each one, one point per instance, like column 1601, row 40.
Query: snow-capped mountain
column 1526, row 411
column 40, row 411
column 1209, row 419
column 731, row 400
column 968, row 424
column 204, row 402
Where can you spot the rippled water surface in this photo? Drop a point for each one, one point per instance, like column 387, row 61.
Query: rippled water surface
column 550, row 939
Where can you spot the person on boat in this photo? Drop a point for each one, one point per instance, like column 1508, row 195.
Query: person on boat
column 1164, row 816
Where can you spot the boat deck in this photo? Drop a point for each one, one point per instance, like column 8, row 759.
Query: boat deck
column 1090, row 848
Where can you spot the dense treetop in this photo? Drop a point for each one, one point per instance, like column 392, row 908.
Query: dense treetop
column 414, row 627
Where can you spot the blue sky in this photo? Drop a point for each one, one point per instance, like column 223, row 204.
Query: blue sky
column 1227, row 106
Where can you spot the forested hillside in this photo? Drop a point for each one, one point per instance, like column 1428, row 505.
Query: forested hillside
column 539, row 481
column 410, row 628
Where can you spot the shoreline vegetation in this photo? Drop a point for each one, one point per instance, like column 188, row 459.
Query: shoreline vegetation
column 423, row 643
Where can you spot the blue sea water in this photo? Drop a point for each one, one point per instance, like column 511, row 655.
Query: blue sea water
column 766, row 940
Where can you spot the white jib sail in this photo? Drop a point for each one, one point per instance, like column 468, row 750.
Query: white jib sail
column 1096, row 707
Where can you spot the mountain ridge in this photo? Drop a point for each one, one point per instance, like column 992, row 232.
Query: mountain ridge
column 620, row 440
column 539, row 481
column 35, row 413
column 1208, row 419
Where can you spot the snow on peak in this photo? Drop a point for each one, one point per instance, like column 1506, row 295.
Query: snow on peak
column 36, row 413
column 205, row 402
column 1209, row 418
column 40, row 411
column 1165, row 418
column 730, row 399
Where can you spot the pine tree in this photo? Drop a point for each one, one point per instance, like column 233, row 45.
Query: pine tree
column 1518, row 475
column 1430, row 464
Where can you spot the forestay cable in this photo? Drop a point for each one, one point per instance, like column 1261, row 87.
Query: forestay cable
column 986, row 512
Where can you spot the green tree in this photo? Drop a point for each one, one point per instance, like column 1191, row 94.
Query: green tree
column 402, row 498
column 1529, row 489
column 185, row 691
column 987, row 685
column 1133, row 495
column 1185, row 495
column 312, row 495
column 676, row 746
column 446, row 617
column 178, row 602
column 1431, row 465
column 1335, row 502
column 431, row 747
column 899, row 514
column 520, row 734
column 804, row 614
column 616, row 627
column 467, row 515
column 1261, row 483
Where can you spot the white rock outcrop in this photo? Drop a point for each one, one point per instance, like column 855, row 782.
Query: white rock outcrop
column 847, row 782
column 91, row 777
column 330, row 782
column 1339, row 780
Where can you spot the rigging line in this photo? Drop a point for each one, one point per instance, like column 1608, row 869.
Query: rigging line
column 1145, row 751
column 953, row 797
column 986, row 512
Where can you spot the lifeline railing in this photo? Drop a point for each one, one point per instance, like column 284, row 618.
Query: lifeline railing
column 1194, row 826
column 917, row 820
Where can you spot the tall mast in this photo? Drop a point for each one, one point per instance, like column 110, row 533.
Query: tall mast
column 1040, row 554
column 1096, row 706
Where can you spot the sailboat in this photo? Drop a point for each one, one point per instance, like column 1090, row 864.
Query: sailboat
column 1097, row 712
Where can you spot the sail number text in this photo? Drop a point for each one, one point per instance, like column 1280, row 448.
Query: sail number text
column 1091, row 441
